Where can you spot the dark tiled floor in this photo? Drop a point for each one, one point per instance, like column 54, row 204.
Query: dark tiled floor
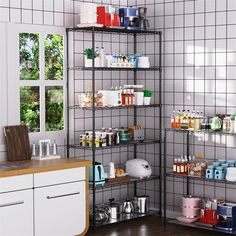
column 148, row 226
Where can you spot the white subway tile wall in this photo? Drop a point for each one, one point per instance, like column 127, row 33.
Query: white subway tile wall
column 199, row 73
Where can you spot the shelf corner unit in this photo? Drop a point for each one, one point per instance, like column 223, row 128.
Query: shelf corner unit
column 185, row 179
column 71, row 108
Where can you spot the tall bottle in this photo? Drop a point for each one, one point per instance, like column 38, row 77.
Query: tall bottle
column 175, row 165
column 173, row 125
column 184, row 123
column 177, row 120
column 178, row 166
column 182, row 165
column 97, row 58
column 102, row 57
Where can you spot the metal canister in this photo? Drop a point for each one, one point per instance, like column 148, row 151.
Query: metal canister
column 141, row 204
column 110, row 139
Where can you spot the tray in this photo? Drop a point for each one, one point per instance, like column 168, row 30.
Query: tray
column 118, row 180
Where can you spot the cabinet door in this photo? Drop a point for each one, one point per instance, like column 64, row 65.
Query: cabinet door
column 16, row 213
column 60, row 210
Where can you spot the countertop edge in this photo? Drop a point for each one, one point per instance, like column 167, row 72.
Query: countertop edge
column 45, row 166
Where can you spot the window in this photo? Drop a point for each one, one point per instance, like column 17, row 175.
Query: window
column 39, row 78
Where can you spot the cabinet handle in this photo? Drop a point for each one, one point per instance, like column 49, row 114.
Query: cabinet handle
column 63, row 195
column 12, row 204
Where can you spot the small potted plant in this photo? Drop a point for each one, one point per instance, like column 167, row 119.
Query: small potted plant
column 89, row 56
column 147, row 94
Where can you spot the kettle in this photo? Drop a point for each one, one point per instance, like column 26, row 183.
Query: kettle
column 127, row 207
column 99, row 174
column 216, row 123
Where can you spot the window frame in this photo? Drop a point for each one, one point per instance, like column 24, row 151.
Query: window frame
column 14, row 82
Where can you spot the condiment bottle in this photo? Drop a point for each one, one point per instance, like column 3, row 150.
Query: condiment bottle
column 97, row 140
column 123, row 97
column 133, row 97
column 84, row 140
column 182, row 165
column 177, row 120
column 175, row 165
column 184, row 123
column 178, row 166
column 90, row 140
column 186, row 165
column 173, row 125
column 116, row 137
column 232, row 123
column 102, row 57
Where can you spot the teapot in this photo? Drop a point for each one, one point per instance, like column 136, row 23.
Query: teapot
column 216, row 123
column 128, row 207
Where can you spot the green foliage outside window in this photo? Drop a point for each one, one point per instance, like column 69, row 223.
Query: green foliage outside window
column 29, row 70
column 29, row 56
column 29, row 107
column 54, row 108
column 54, row 57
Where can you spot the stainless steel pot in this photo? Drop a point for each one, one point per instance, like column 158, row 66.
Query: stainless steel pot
column 141, row 204
column 100, row 215
column 127, row 207
column 113, row 209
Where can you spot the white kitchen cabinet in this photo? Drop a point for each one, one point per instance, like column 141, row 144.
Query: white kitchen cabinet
column 60, row 210
column 16, row 213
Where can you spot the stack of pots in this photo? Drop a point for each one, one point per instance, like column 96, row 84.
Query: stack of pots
column 191, row 206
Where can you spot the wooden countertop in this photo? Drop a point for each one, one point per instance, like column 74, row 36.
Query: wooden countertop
column 33, row 166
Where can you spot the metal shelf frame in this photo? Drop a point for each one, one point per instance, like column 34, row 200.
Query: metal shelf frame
column 188, row 178
column 93, row 69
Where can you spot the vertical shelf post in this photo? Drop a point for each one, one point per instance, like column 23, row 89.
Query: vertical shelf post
column 164, row 174
column 135, row 109
column 93, row 126
column 160, row 123
column 188, row 161
column 67, row 97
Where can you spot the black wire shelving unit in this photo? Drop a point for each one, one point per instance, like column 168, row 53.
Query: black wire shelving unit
column 93, row 31
column 187, row 179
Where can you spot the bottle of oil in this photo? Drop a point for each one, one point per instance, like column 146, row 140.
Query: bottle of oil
column 173, row 125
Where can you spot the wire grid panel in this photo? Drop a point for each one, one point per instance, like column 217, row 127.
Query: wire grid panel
column 199, row 60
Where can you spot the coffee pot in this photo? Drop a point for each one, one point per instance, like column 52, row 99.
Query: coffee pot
column 216, row 123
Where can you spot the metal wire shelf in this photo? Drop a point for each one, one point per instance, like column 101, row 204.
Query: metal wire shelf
column 132, row 180
column 146, row 142
column 114, row 68
column 200, row 178
column 112, row 30
column 206, row 131
column 125, row 217
column 113, row 108
column 173, row 221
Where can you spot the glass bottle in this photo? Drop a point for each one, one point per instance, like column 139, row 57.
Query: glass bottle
column 177, row 120
column 175, row 165
column 178, row 166
column 173, row 125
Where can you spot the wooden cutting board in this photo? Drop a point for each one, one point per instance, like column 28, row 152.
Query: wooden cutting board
column 17, row 141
